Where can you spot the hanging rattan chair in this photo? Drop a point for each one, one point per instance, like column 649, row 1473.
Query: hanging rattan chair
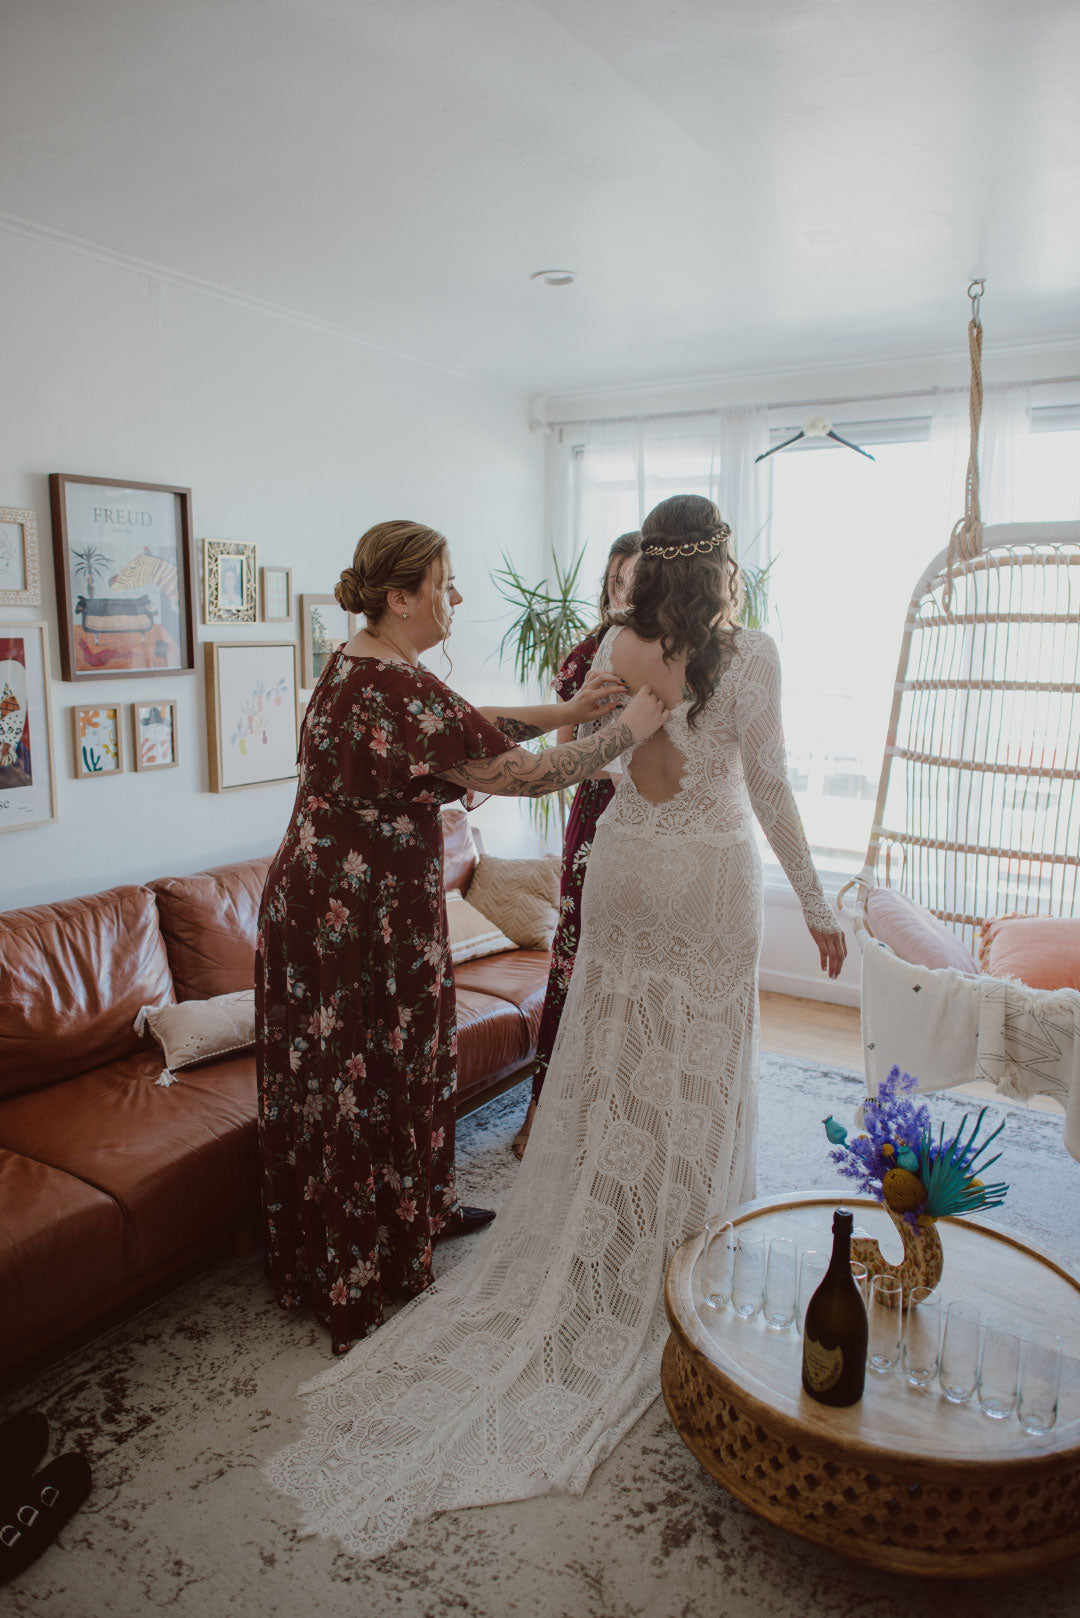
column 978, row 805
column 978, row 815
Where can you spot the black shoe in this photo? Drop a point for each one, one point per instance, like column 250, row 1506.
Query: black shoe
column 32, row 1513
column 23, row 1442
column 466, row 1220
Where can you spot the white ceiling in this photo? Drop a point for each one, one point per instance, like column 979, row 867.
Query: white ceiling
column 740, row 184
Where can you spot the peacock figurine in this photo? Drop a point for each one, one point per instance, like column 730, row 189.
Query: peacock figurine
column 917, row 1178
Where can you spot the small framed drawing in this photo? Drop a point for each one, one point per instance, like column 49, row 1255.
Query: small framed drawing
column 251, row 706
column 123, row 577
column 27, row 769
column 275, row 586
column 153, row 735
column 229, row 579
column 20, row 575
column 324, row 626
column 99, row 742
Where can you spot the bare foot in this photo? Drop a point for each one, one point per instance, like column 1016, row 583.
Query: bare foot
column 521, row 1139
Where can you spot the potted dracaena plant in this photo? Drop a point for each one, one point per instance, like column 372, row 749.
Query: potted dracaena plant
column 551, row 617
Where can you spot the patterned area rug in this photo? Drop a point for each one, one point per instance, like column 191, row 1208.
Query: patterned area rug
column 178, row 1409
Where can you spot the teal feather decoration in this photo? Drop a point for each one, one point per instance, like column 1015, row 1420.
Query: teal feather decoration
column 947, row 1172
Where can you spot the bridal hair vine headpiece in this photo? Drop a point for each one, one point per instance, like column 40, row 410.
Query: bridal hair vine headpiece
column 713, row 538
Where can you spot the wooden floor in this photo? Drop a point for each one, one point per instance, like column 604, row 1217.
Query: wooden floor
column 820, row 1032
column 812, row 1029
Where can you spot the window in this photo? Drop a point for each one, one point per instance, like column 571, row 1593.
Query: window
column 849, row 538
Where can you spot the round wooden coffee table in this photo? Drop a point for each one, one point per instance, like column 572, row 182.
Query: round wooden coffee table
column 902, row 1480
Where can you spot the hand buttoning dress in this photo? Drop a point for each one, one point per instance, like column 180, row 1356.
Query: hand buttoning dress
column 519, row 1373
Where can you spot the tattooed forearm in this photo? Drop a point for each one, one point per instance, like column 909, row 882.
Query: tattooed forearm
column 530, row 775
column 517, row 729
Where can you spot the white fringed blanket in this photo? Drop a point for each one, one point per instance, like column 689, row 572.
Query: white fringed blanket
column 948, row 1029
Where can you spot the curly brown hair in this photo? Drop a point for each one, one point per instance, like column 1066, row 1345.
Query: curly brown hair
column 690, row 604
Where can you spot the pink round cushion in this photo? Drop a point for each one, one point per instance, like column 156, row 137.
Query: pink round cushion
column 1042, row 951
column 913, row 933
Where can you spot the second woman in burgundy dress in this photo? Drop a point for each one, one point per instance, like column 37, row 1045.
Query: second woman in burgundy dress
column 590, row 800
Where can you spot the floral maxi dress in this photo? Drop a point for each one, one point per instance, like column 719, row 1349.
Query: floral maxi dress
column 356, row 1041
column 590, row 801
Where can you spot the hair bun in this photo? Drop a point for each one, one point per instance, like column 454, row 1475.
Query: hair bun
column 349, row 590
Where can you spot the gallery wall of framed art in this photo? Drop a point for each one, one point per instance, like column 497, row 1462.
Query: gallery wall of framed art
column 126, row 379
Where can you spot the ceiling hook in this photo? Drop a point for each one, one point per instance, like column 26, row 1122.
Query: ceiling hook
column 975, row 293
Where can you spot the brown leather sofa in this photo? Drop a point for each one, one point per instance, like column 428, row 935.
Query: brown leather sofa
column 110, row 1185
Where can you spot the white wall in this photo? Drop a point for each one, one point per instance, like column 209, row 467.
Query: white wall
column 290, row 436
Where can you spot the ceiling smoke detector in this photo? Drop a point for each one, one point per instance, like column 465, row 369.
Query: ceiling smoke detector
column 555, row 278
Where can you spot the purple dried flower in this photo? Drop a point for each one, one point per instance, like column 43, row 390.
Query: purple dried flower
column 892, row 1118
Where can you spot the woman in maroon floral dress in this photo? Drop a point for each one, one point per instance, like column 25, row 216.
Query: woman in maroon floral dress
column 356, row 1040
column 590, row 800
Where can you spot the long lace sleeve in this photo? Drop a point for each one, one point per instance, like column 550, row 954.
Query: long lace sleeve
column 761, row 746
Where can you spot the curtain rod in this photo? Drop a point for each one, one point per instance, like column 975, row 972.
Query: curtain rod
column 783, row 404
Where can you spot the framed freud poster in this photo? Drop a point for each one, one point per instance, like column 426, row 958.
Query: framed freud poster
column 251, row 713
column 123, row 577
column 27, row 768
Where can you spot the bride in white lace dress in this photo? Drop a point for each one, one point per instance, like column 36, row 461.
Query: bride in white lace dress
column 520, row 1372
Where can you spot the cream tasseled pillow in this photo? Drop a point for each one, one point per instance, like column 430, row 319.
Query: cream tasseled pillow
column 198, row 1030
column 520, row 896
column 472, row 935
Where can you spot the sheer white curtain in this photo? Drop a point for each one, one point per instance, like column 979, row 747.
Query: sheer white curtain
column 1006, row 424
column 608, row 475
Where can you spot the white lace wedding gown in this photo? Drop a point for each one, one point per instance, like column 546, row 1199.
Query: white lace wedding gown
column 519, row 1373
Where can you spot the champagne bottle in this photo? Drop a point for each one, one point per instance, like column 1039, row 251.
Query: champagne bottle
column 834, row 1334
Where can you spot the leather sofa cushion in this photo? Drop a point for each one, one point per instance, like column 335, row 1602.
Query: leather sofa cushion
column 74, row 977
column 209, row 922
column 460, row 852
column 61, row 1251
column 519, row 976
column 493, row 1037
column 179, row 1162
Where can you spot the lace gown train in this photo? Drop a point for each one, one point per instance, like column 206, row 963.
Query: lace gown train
column 519, row 1373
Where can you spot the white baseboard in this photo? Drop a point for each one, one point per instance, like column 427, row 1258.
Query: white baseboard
column 808, row 988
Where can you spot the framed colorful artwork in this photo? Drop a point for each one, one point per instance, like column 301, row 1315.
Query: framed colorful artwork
column 20, row 572
column 229, row 581
column 324, row 626
column 123, row 577
column 153, row 735
column 99, row 742
column 27, row 769
column 275, row 588
column 251, row 713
